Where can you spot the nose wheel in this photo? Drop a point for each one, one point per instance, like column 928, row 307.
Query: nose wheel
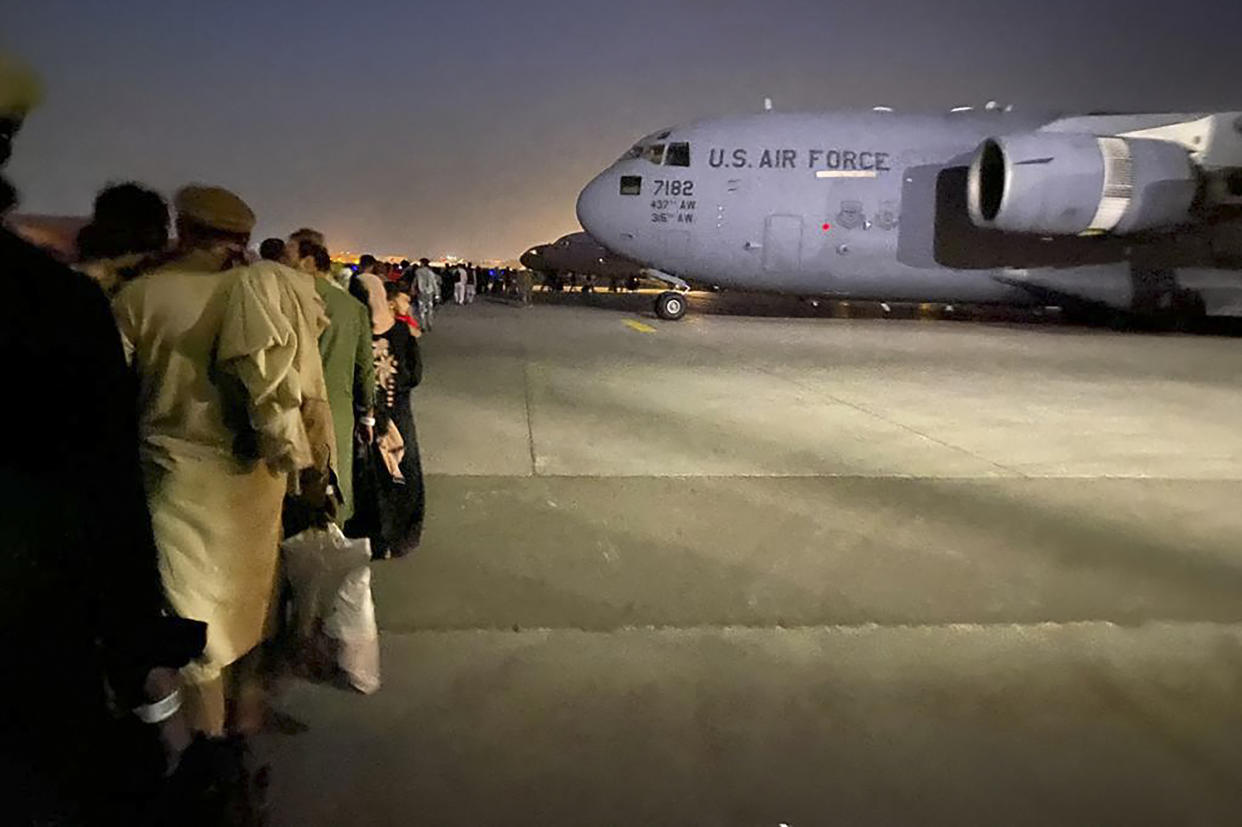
column 670, row 306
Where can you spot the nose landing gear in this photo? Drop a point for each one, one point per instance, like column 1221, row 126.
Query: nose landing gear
column 670, row 306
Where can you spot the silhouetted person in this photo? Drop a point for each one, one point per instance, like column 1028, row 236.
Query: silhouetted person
column 128, row 229
column 272, row 249
column 82, row 603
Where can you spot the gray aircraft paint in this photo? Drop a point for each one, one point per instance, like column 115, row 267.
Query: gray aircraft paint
column 832, row 204
column 579, row 253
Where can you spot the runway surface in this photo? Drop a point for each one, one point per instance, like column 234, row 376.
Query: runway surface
column 763, row 570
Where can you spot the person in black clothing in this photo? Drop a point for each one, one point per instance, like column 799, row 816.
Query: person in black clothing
column 82, row 610
column 390, row 499
column 447, row 280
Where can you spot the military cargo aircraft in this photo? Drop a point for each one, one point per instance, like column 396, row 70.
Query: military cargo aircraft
column 1134, row 214
column 579, row 253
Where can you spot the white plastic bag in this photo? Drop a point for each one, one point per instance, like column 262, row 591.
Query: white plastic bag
column 352, row 622
column 317, row 562
column 331, row 579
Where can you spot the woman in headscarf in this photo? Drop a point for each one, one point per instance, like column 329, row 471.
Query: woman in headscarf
column 389, row 494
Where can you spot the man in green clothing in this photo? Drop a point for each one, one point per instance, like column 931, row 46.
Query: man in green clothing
column 348, row 363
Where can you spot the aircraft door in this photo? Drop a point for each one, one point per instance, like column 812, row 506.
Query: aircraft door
column 782, row 244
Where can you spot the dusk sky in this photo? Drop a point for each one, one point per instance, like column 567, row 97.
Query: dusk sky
column 470, row 127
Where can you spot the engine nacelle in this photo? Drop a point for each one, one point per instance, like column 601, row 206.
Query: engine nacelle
column 1057, row 183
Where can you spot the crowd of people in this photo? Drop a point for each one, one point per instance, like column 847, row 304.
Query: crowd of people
column 193, row 402
column 416, row 289
column 459, row 283
column 587, row 283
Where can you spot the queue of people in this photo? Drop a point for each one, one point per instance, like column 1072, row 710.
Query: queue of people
column 200, row 401
column 460, row 283
column 570, row 281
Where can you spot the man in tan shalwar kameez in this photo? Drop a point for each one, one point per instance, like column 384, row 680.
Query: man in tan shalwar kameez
column 218, row 350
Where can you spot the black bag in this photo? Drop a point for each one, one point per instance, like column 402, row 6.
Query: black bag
column 370, row 476
column 386, row 510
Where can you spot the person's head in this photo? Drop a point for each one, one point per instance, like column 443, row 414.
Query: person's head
column 20, row 92
column 272, row 249
column 423, row 262
column 307, row 234
column 209, row 217
column 366, row 264
column 373, row 289
column 357, row 290
column 310, row 257
column 405, row 264
column 128, row 218
column 323, row 262
column 398, row 299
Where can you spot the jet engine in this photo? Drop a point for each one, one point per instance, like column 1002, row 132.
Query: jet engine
column 1060, row 183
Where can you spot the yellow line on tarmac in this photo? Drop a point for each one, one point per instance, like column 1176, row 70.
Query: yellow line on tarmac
column 638, row 326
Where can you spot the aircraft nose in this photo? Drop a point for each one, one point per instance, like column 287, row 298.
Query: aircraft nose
column 593, row 206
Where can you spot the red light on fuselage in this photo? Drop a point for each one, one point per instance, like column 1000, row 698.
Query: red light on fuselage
column 827, row 227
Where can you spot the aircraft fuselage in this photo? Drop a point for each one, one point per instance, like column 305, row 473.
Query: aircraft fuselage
column 837, row 204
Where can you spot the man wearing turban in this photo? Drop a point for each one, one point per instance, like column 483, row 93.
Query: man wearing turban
column 228, row 364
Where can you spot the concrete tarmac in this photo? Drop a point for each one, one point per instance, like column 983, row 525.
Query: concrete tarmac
column 761, row 571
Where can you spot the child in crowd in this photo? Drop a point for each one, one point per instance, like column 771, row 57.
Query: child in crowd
column 399, row 301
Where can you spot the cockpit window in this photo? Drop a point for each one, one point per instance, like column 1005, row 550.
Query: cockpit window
column 654, row 154
column 678, row 155
column 631, row 185
column 634, row 153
